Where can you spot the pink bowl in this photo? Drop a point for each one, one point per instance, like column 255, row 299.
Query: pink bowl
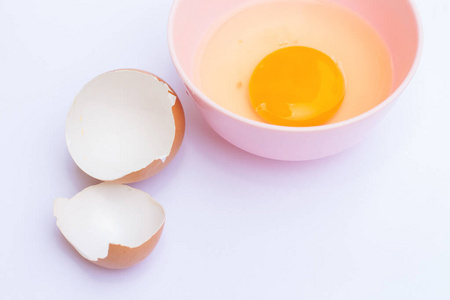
column 397, row 21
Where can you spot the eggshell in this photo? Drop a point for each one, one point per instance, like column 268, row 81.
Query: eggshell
column 125, row 126
column 121, row 257
column 111, row 225
column 158, row 165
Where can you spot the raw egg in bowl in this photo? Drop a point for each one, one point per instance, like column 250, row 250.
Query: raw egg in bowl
column 294, row 79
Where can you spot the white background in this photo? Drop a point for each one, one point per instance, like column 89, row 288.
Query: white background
column 370, row 223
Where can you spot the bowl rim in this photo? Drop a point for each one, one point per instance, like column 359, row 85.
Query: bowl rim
column 394, row 95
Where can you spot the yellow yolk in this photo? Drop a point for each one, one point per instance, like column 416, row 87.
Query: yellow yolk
column 297, row 86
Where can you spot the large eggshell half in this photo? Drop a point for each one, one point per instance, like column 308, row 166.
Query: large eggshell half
column 124, row 126
column 112, row 225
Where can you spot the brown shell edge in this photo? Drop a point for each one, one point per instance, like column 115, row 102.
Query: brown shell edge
column 122, row 257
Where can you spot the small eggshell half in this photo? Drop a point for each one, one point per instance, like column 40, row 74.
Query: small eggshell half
column 112, row 225
column 125, row 126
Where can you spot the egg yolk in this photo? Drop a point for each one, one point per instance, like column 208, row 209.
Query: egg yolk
column 297, row 86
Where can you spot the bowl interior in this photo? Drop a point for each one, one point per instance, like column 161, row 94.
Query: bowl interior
column 395, row 21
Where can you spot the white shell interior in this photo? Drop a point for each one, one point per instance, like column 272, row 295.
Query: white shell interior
column 107, row 213
column 119, row 123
